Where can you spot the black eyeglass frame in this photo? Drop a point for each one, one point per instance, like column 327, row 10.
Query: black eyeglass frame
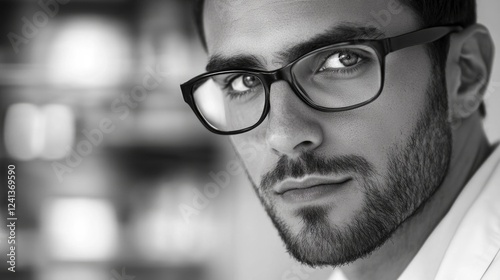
column 382, row 48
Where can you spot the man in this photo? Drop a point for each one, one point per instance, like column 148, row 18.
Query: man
column 367, row 121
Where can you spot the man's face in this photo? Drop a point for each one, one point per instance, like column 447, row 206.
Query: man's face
column 337, row 185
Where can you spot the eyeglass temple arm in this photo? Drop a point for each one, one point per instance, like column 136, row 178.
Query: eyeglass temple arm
column 419, row 37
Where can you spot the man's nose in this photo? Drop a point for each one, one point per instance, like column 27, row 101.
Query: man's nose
column 292, row 127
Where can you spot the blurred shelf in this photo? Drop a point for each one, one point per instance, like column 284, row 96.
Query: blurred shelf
column 149, row 163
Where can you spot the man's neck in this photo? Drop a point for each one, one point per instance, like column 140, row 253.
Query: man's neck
column 470, row 150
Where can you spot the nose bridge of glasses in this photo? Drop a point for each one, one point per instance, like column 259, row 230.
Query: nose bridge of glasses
column 282, row 74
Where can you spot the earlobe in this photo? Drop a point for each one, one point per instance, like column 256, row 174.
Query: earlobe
column 468, row 70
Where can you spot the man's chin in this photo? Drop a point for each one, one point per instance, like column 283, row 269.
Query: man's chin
column 315, row 242
column 315, row 247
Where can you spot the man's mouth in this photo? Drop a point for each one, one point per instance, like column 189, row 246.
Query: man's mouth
column 309, row 188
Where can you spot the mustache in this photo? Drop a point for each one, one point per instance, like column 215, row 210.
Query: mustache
column 309, row 163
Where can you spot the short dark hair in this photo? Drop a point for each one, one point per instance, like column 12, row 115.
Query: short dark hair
column 430, row 12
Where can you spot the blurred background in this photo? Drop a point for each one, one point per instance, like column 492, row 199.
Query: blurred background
column 112, row 168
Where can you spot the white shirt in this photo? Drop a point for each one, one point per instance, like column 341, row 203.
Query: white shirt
column 466, row 243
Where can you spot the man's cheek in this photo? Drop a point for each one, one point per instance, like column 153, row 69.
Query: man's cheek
column 248, row 153
column 252, row 155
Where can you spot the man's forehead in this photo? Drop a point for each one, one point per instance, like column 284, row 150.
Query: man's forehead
column 265, row 27
column 233, row 9
column 337, row 34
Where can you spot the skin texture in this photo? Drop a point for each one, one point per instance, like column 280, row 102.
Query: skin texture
column 388, row 135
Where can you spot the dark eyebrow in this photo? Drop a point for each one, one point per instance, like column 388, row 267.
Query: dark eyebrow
column 218, row 63
column 337, row 34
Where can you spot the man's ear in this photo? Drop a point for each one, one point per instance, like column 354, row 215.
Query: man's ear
column 468, row 70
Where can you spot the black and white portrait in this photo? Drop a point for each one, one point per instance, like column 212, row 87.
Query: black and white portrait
column 256, row 139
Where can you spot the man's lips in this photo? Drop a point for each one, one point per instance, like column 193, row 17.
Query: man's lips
column 307, row 183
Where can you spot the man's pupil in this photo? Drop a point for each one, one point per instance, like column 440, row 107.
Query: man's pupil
column 249, row 81
column 348, row 59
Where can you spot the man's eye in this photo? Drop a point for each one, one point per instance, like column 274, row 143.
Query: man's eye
column 341, row 59
column 243, row 83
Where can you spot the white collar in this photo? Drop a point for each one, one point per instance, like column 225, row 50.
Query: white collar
column 468, row 236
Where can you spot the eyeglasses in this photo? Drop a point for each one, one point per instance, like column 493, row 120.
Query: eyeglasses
column 335, row 78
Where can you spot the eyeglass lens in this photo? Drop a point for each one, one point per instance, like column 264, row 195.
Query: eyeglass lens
column 335, row 77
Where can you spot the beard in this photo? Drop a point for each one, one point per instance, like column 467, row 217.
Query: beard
column 416, row 169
